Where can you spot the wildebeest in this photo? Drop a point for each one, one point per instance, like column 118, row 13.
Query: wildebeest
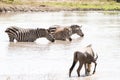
column 85, row 58
column 63, row 33
column 27, row 35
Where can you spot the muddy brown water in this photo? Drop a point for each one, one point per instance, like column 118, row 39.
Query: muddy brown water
column 43, row 60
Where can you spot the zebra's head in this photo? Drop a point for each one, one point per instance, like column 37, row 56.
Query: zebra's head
column 45, row 33
column 49, row 36
column 77, row 29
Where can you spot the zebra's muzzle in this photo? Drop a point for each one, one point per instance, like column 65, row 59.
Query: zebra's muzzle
column 53, row 40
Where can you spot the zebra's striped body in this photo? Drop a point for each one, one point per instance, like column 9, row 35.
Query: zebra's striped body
column 27, row 35
column 60, row 33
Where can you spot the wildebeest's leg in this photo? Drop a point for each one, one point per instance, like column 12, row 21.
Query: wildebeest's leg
column 73, row 65
column 88, row 68
column 79, row 68
column 95, row 67
column 85, row 68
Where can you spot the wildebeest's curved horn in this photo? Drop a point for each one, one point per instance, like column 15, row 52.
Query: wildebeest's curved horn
column 96, row 57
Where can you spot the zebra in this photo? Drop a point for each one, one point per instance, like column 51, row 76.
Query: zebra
column 76, row 29
column 27, row 35
column 62, row 34
column 70, row 30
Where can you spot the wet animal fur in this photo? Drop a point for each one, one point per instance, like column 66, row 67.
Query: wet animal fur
column 84, row 58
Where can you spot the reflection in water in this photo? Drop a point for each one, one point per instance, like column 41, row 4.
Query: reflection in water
column 27, row 47
column 42, row 60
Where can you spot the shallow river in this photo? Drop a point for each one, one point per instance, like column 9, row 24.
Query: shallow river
column 43, row 60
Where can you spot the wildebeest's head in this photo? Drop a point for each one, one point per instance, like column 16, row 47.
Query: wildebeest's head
column 90, row 58
column 77, row 29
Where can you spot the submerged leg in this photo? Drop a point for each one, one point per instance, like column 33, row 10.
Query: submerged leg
column 11, row 39
column 63, row 39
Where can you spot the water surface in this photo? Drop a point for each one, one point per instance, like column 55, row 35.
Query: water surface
column 43, row 60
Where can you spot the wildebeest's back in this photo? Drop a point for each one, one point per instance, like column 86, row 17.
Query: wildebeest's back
column 79, row 56
column 89, row 50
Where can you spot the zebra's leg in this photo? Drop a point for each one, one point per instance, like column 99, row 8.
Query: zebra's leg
column 32, row 40
column 63, row 39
